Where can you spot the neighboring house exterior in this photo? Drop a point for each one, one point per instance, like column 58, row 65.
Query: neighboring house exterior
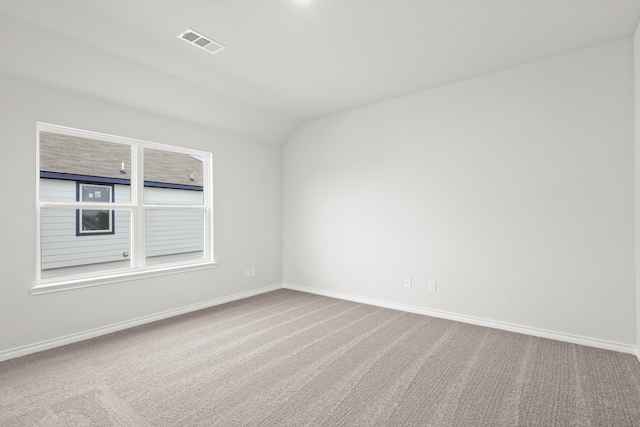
column 81, row 240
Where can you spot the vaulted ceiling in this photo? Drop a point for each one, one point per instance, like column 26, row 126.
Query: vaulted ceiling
column 287, row 61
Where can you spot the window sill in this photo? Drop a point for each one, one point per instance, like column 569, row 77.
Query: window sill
column 66, row 285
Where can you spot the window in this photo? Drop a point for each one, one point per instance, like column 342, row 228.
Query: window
column 160, row 208
column 94, row 221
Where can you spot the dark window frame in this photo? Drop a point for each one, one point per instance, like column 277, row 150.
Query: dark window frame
column 79, row 231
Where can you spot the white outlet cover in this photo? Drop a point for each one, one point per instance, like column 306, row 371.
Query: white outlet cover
column 432, row 285
column 407, row 282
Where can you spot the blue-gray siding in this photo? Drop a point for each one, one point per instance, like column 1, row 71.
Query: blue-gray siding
column 168, row 233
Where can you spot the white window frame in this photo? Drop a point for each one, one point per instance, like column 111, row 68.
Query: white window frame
column 137, row 209
column 81, row 231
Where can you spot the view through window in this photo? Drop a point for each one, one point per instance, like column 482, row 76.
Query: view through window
column 159, row 213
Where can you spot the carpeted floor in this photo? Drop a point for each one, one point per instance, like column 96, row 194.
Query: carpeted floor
column 287, row 358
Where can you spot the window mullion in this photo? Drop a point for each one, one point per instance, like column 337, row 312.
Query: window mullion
column 139, row 211
column 177, row 219
column 208, row 203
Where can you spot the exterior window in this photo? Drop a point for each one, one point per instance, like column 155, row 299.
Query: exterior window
column 159, row 218
column 95, row 221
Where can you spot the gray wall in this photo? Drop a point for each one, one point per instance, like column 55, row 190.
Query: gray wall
column 247, row 228
column 514, row 191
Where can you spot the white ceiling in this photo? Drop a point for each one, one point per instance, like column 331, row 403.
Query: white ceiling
column 292, row 60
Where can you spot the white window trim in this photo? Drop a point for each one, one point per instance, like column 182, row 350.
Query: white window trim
column 83, row 232
column 137, row 208
column 80, row 281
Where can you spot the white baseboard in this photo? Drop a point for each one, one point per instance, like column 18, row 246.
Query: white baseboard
column 559, row 336
column 92, row 333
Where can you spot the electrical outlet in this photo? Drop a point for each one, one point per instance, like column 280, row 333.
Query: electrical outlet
column 432, row 285
column 407, row 282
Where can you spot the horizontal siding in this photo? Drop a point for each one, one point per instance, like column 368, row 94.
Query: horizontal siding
column 163, row 239
column 55, row 190
column 172, row 196
column 63, row 251
column 170, row 235
column 61, row 247
column 121, row 193
column 58, row 190
column 176, row 248
column 173, row 232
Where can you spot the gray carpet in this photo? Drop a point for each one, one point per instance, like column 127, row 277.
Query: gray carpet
column 287, row 358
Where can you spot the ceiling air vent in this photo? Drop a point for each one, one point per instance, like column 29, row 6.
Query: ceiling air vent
column 203, row 42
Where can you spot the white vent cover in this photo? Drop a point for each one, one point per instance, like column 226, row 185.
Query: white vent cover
column 203, row 42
